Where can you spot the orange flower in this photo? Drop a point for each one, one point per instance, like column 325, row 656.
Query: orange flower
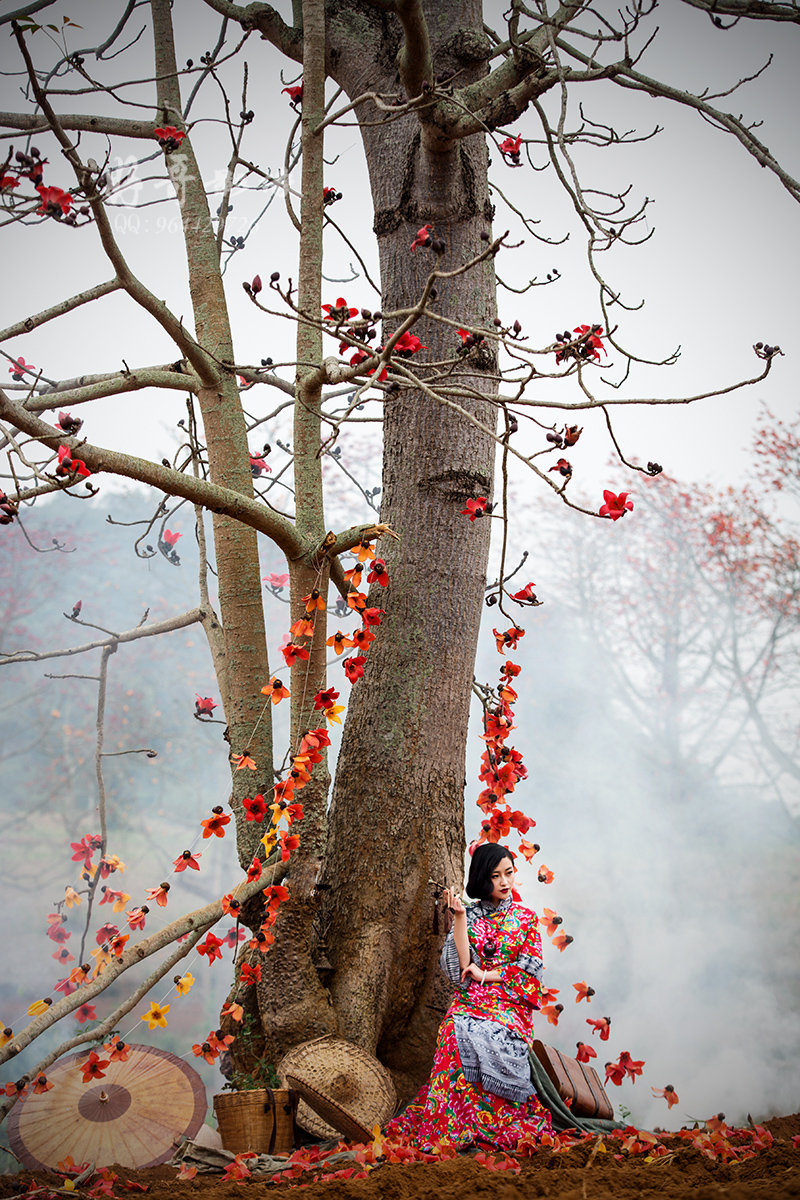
column 283, row 793
column 136, row 916
column 230, row 905
column 289, row 842
column 668, row 1092
column 159, row 894
column 214, row 826
column 313, row 601
column 356, row 600
column 528, row 849
column 117, row 1050
column 250, row 974
column 551, row 921
column 562, row 940
column 353, row 576
column 364, row 551
column 234, row 1011
column 94, row 1067
column 302, row 628
column 362, row 638
column 275, row 690
column 241, row 761
column 584, row 992
column 41, row 1084
column 545, row 875
column 117, row 944
column 508, row 640
column 275, row 894
column 205, row 1051
column 340, row 641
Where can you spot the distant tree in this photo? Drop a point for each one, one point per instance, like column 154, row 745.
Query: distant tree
column 691, row 606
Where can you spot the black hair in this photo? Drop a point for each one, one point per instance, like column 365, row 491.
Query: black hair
column 484, row 861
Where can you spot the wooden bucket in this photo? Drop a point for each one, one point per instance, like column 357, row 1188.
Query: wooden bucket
column 261, row 1120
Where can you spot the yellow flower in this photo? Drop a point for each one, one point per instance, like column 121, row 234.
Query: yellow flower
column 269, row 841
column 115, row 862
column 184, row 983
column 71, row 896
column 39, row 1006
column 6, row 1035
column 157, row 1017
column 120, row 902
column 332, row 713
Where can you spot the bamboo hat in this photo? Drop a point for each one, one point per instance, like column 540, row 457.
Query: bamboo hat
column 344, row 1089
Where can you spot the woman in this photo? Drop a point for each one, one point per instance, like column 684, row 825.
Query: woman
column 480, row 1088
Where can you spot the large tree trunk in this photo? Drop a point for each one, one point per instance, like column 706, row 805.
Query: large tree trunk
column 397, row 812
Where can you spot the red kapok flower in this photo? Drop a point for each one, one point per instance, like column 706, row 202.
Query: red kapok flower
column 408, row 344
column 94, row 1067
column 354, row 667
column 325, row 698
column 169, row 138
column 255, row 808
column 584, row 1052
column 255, row 870
column 204, row 706
column 422, row 238
column 169, row 538
column 372, row 616
column 85, row 1013
column 210, row 947
column 510, row 149
column 250, row 974
column 379, row 573
column 508, row 640
column 55, row 202
column 475, row 508
column 615, row 506
column 18, row 368
column 187, row 859
column 8, row 183
column 67, row 465
column 292, row 651
column 295, row 93
column 340, row 311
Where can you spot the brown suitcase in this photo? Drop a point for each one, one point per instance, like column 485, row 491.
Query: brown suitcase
column 577, row 1084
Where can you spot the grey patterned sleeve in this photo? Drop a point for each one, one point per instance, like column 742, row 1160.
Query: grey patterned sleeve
column 449, row 959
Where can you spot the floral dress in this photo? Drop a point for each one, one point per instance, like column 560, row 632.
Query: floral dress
column 480, row 1089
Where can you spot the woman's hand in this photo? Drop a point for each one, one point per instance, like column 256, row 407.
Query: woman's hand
column 472, row 972
column 453, row 902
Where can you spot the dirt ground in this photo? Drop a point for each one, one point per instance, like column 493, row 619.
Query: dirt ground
column 705, row 1164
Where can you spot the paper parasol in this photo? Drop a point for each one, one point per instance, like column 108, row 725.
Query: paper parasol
column 135, row 1115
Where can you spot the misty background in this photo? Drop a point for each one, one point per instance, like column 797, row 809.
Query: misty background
column 679, row 883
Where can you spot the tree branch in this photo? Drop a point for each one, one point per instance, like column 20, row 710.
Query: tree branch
column 115, row 639
column 174, row 483
column 58, row 310
column 268, row 22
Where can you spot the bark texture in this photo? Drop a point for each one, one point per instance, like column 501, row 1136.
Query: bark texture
column 397, row 811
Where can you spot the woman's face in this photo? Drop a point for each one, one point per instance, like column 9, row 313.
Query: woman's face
column 502, row 880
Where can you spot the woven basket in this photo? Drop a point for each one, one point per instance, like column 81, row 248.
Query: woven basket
column 261, row 1120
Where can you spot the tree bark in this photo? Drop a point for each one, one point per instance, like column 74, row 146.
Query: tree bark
column 396, row 817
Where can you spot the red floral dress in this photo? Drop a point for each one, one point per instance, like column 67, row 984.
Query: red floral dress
column 481, row 1051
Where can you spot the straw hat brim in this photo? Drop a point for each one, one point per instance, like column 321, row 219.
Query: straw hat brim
column 344, row 1089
